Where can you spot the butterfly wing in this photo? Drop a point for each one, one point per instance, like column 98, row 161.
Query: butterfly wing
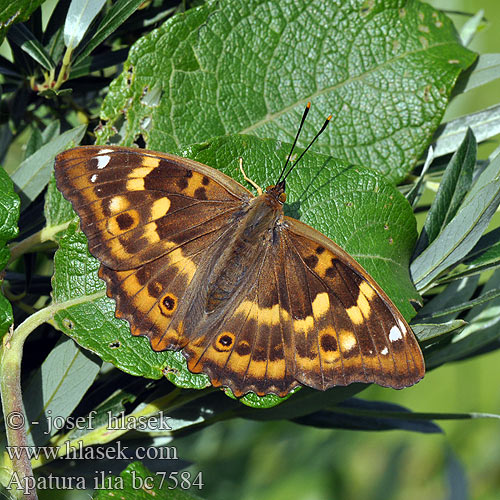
column 315, row 317
column 345, row 327
column 135, row 205
column 149, row 218
column 253, row 349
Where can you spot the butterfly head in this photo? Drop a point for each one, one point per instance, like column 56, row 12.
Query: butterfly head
column 277, row 191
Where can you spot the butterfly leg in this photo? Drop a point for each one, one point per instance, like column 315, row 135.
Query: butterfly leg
column 250, row 181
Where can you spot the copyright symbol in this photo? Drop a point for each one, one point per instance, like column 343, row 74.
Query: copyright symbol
column 15, row 420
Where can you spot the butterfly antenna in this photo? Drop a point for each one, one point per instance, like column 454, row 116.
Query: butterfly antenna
column 327, row 121
column 308, row 106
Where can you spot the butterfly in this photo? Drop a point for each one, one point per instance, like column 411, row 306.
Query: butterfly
column 258, row 301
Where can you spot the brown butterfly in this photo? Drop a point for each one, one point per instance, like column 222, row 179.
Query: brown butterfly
column 257, row 300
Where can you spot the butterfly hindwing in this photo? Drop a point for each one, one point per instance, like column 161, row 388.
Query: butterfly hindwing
column 253, row 349
column 312, row 316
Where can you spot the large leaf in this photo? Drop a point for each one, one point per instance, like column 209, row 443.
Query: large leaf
column 383, row 68
column 9, row 215
column 356, row 207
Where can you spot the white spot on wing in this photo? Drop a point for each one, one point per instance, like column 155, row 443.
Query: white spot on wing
column 395, row 334
column 102, row 161
column 104, row 151
column 402, row 326
column 384, row 351
column 93, row 178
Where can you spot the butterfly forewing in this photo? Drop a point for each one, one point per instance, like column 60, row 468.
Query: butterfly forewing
column 135, row 207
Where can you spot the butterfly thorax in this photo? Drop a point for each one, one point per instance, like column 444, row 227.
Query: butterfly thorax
column 245, row 250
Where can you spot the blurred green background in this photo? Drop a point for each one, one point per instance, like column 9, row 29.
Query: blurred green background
column 282, row 460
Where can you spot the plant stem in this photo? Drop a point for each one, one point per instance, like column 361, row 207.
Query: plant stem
column 12, row 401
column 38, row 238
column 13, row 407
column 65, row 68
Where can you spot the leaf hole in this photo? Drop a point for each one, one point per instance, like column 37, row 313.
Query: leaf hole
column 151, row 97
column 173, row 371
column 146, row 123
column 130, row 75
column 366, row 8
column 140, row 141
column 115, row 345
column 67, row 323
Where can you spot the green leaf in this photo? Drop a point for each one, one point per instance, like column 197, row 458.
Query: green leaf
column 131, row 484
column 15, row 12
column 485, row 124
column 56, row 388
column 9, row 212
column 486, row 69
column 81, row 13
column 387, row 88
column 356, row 207
column 483, row 329
column 428, row 333
column 485, row 255
column 457, row 291
column 23, row 37
column 9, row 215
column 455, row 184
column 34, row 143
column 57, row 209
column 358, row 414
column 34, row 173
column 414, row 194
column 38, row 139
column 470, row 27
column 52, row 130
column 464, row 306
column 118, row 13
column 462, row 233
